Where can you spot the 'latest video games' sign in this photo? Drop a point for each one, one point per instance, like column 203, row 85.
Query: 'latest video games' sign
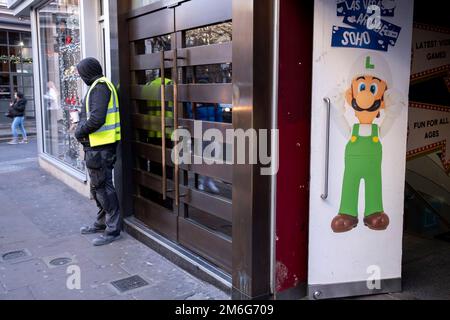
column 431, row 52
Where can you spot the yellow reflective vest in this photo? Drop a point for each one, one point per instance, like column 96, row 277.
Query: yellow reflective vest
column 110, row 132
column 154, row 106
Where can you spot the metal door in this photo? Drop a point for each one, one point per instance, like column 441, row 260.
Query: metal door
column 181, row 77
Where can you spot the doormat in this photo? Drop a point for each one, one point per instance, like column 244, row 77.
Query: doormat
column 444, row 237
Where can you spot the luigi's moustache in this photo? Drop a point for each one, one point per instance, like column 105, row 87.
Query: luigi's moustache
column 375, row 107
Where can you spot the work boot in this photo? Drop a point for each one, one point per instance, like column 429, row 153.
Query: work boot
column 104, row 240
column 344, row 223
column 14, row 142
column 92, row 229
column 378, row 221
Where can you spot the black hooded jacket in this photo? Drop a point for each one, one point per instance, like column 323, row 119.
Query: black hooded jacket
column 18, row 108
column 90, row 70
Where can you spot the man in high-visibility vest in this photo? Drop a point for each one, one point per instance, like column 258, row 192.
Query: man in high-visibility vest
column 99, row 132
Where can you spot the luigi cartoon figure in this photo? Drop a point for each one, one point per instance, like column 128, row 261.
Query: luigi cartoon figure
column 376, row 106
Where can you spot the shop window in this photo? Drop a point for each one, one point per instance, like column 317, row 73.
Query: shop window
column 14, row 38
column 3, row 37
column 215, row 34
column 4, row 79
column 217, row 73
column 153, row 45
column 4, row 59
column 60, row 51
column 5, row 93
column 26, row 53
column 26, row 39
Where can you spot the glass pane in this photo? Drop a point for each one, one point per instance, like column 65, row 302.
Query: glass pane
column 27, row 68
column 153, row 45
column 14, row 38
column 3, row 37
column 217, row 73
column 211, row 222
column 27, row 81
column 135, row 4
column 4, row 59
column 150, row 77
column 17, row 81
column 213, row 112
column 59, row 29
column 26, row 39
column 5, row 93
column 4, row 79
column 27, row 53
column 215, row 34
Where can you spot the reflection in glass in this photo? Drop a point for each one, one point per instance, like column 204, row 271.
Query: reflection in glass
column 59, row 24
column 215, row 34
column 153, row 45
column 216, row 73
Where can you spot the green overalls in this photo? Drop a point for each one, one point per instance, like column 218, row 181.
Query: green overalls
column 363, row 159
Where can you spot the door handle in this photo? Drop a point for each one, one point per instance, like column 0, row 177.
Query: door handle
column 163, row 126
column 325, row 193
column 175, row 124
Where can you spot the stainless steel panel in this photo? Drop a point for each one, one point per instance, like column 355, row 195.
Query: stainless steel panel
column 206, row 93
column 212, row 54
column 150, row 61
column 341, row 290
column 189, row 125
column 216, row 206
column 145, row 122
column 253, row 23
column 156, row 217
column 205, row 242
column 148, row 26
column 151, row 152
column 223, row 172
column 197, row 13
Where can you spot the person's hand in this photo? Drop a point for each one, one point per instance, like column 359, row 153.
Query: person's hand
column 73, row 127
column 394, row 102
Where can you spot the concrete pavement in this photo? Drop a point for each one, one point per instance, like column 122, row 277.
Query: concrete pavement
column 40, row 219
column 39, row 224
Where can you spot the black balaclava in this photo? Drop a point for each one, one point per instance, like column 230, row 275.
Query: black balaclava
column 90, row 70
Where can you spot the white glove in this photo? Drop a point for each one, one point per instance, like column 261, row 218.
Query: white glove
column 337, row 97
column 394, row 102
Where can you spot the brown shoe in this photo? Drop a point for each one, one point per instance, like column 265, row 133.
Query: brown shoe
column 344, row 223
column 377, row 221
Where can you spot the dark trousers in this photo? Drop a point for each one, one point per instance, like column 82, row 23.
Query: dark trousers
column 100, row 163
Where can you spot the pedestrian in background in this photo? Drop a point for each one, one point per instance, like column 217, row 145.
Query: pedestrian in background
column 17, row 113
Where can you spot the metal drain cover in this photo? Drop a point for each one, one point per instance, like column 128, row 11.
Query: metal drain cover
column 14, row 255
column 58, row 262
column 129, row 284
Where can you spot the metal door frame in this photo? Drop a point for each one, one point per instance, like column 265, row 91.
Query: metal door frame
column 253, row 54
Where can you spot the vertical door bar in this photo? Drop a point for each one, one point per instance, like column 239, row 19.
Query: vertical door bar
column 175, row 115
column 163, row 126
